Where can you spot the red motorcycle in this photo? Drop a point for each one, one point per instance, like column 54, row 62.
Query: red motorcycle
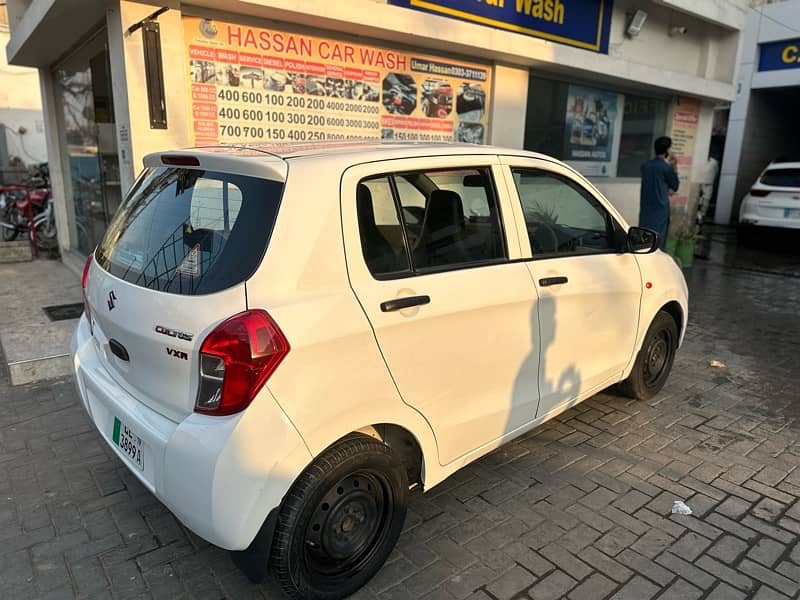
column 31, row 199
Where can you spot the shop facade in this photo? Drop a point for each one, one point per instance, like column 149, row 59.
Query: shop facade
column 764, row 120
column 592, row 83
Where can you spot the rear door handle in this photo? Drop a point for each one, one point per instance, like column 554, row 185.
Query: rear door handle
column 545, row 281
column 401, row 303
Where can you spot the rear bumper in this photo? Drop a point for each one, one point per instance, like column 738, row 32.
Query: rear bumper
column 753, row 215
column 221, row 476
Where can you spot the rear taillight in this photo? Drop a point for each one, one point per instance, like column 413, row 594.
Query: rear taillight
column 84, row 280
column 759, row 193
column 236, row 360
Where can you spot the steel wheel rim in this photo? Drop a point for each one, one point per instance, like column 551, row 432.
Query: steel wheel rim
column 348, row 526
column 657, row 357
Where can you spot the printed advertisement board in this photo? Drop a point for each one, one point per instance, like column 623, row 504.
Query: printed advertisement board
column 683, row 131
column 250, row 84
column 592, row 130
column 580, row 23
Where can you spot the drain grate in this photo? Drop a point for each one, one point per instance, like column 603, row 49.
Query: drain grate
column 62, row 312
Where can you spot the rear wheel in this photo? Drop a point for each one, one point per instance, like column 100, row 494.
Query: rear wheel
column 654, row 361
column 340, row 521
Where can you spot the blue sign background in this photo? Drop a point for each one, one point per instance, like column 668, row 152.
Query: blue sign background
column 771, row 55
column 586, row 22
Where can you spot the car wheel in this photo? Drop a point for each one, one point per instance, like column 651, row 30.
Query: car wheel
column 340, row 521
column 654, row 361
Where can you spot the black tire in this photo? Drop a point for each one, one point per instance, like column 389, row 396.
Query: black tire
column 340, row 521
column 9, row 235
column 654, row 361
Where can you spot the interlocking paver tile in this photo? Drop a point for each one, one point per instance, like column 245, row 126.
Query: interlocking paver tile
column 579, row 508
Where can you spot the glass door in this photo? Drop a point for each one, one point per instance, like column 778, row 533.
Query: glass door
column 82, row 83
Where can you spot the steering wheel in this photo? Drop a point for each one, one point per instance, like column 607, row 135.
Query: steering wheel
column 551, row 239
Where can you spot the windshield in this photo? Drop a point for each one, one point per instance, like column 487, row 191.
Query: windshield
column 190, row 231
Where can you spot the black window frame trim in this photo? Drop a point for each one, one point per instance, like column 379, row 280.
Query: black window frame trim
column 618, row 232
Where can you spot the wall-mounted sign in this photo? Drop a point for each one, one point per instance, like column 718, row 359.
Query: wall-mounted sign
column 775, row 56
column 592, row 130
column 580, row 23
column 683, row 131
column 250, row 84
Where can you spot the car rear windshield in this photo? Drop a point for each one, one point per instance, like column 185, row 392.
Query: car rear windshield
column 190, row 231
column 782, row 178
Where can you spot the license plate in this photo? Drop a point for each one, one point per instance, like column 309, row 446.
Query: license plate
column 129, row 443
column 791, row 213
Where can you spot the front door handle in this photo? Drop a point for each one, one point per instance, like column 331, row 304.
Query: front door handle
column 401, row 303
column 545, row 281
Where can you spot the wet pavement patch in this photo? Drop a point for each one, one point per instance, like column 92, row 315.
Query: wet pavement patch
column 63, row 312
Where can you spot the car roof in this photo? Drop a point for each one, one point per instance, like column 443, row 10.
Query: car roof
column 783, row 164
column 373, row 148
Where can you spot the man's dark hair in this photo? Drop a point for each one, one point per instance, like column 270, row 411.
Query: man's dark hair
column 662, row 145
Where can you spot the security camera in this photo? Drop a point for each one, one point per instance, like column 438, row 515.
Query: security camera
column 677, row 30
column 636, row 23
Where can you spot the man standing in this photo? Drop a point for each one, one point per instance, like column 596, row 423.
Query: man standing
column 659, row 181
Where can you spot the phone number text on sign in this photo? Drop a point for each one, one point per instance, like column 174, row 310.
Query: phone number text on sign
column 249, row 84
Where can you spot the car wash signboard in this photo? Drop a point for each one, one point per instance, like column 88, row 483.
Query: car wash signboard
column 580, row 23
column 776, row 56
column 250, row 84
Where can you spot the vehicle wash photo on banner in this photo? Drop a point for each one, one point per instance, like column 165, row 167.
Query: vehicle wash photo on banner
column 591, row 132
column 252, row 84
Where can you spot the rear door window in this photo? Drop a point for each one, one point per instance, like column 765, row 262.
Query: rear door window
column 190, row 231
column 429, row 220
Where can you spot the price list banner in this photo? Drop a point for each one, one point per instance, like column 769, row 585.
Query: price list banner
column 264, row 85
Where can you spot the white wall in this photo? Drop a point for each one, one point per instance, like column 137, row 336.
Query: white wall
column 21, row 106
column 130, row 91
column 509, row 103
column 623, row 194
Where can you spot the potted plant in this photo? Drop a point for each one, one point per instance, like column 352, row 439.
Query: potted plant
column 684, row 232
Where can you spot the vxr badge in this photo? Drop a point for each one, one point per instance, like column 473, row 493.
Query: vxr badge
column 111, row 297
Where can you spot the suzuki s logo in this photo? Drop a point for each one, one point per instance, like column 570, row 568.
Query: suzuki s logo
column 177, row 353
column 111, row 298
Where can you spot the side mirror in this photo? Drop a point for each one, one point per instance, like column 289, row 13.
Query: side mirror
column 642, row 241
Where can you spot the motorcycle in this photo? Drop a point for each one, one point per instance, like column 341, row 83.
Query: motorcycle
column 32, row 197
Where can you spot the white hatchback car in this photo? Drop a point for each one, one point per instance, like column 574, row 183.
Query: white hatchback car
column 774, row 200
column 280, row 342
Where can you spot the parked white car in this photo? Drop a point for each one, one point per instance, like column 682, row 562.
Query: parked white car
column 773, row 201
column 280, row 342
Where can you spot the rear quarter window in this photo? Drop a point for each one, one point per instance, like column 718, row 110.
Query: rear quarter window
column 190, row 231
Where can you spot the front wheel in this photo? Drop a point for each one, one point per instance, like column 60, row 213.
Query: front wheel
column 340, row 521
column 10, row 218
column 654, row 361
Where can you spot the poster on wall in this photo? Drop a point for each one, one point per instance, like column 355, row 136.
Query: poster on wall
column 250, row 84
column 683, row 131
column 591, row 132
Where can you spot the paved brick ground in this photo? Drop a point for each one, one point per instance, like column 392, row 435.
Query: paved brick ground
column 578, row 509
